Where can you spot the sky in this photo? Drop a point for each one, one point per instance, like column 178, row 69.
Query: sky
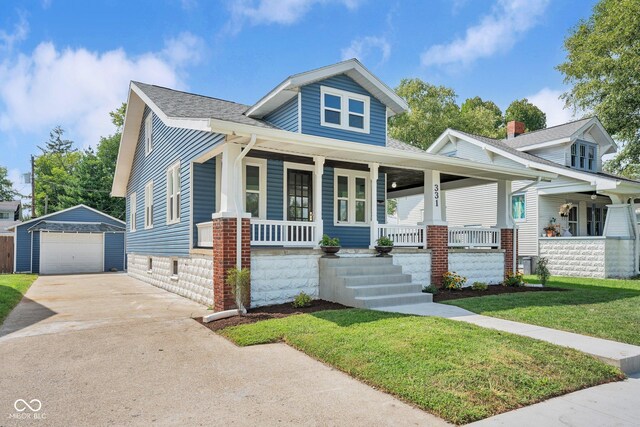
column 69, row 62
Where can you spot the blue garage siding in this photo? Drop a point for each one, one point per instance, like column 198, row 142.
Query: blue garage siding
column 23, row 250
column 204, row 193
column 113, row 251
column 169, row 145
column 285, row 117
column 275, row 197
column 311, row 113
column 36, row 252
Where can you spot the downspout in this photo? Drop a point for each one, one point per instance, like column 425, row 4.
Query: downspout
column 514, row 243
column 237, row 199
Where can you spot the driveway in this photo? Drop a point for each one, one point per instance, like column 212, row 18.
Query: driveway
column 108, row 349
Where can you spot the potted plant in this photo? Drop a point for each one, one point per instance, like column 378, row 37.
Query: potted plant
column 384, row 245
column 552, row 228
column 330, row 246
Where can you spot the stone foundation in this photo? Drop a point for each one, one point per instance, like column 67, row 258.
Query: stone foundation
column 478, row 265
column 417, row 264
column 194, row 280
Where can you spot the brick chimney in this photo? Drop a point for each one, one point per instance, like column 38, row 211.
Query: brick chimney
column 514, row 129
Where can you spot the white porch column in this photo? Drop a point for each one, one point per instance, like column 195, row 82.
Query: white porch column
column 230, row 183
column 433, row 203
column 373, row 182
column 318, row 162
column 443, row 204
column 620, row 221
column 503, row 217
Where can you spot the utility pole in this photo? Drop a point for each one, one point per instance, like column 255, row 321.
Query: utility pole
column 33, row 189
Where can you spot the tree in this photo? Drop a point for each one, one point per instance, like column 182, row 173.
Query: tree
column 6, row 186
column 476, row 103
column 524, row 111
column 56, row 143
column 481, row 118
column 603, row 69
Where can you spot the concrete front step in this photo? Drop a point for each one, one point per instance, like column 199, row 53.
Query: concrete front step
column 392, row 300
column 368, row 270
column 384, row 289
column 379, row 279
column 356, row 261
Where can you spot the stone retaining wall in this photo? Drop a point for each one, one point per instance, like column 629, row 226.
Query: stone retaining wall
column 478, row 265
column 575, row 257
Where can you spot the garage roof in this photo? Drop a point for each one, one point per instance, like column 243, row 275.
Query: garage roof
column 76, row 227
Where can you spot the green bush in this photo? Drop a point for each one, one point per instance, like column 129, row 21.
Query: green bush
column 479, row 286
column 431, row 289
column 329, row 241
column 301, row 300
column 514, row 279
column 542, row 271
column 453, row 281
column 384, row 241
column 240, row 283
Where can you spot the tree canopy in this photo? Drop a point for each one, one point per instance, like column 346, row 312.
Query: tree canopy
column 603, row 69
column 6, row 186
column 523, row 111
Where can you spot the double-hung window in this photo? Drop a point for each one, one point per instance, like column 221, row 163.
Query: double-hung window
column 173, row 193
column 5, row 215
column 148, row 130
column 132, row 212
column 344, row 110
column 148, row 205
column 584, row 156
column 255, row 201
column 351, row 197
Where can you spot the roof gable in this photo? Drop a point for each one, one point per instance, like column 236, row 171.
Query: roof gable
column 79, row 213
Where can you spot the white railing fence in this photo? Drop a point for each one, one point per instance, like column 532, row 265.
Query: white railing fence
column 205, row 234
column 283, row 233
column 404, row 235
column 471, row 237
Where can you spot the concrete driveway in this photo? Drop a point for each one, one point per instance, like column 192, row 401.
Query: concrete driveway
column 108, row 349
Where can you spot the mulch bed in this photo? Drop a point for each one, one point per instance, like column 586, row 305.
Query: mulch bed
column 271, row 312
column 445, row 295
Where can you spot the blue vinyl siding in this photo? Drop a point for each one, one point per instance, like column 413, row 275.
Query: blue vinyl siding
column 275, row 189
column 169, row 145
column 285, row 117
column 24, row 252
column 311, row 113
column 204, row 193
column 114, row 251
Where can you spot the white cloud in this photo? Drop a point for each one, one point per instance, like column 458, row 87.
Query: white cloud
column 364, row 47
column 19, row 33
column 548, row 100
column 77, row 88
column 496, row 32
column 285, row 12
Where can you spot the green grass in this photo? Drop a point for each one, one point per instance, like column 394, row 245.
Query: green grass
column 604, row 308
column 458, row 371
column 12, row 288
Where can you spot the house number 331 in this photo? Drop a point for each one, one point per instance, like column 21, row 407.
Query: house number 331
column 436, row 194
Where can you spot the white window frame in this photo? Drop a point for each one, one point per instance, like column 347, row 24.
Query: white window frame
column 148, row 205
column 133, row 211
column 148, row 132
column 5, row 215
column 301, row 167
column 351, row 176
column 524, row 195
column 173, row 194
column 261, row 164
column 344, row 109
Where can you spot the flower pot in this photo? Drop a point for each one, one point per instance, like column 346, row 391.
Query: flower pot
column 383, row 251
column 550, row 233
column 330, row 251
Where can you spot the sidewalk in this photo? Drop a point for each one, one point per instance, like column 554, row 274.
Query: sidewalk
column 624, row 356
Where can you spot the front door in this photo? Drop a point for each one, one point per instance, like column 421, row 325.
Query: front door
column 299, row 195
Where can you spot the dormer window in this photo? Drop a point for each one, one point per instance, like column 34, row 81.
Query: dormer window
column 583, row 156
column 344, row 110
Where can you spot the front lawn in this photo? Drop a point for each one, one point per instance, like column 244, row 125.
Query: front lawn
column 604, row 308
column 458, row 371
column 12, row 288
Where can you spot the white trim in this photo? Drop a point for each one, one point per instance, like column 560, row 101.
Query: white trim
column 148, row 202
column 261, row 164
column 345, row 96
column 218, row 189
column 545, row 144
column 299, row 111
column 351, row 197
column 174, row 197
column 133, row 212
column 148, row 134
column 40, row 218
column 31, row 267
column 297, row 166
column 519, row 220
column 15, row 251
column 191, row 205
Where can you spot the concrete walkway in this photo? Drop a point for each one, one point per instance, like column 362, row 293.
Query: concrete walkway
column 624, row 356
column 110, row 350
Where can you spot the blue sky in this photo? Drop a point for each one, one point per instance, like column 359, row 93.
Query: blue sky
column 69, row 62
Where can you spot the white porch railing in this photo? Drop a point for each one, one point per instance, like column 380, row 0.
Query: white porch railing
column 205, row 234
column 283, row 233
column 471, row 237
column 404, row 235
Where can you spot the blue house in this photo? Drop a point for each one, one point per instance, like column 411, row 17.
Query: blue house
column 203, row 177
column 75, row 240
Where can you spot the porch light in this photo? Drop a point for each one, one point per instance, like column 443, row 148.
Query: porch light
column 393, row 184
column 594, row 196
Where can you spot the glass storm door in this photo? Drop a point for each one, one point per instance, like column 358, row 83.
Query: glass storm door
column 299, row 195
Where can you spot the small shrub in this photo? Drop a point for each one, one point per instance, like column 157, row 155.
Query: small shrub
column 384, row 241
column 329, row 241
column 431, row 289
column 240, row 283
column 453, row 281
column 542, row 271
column 479, row 286
column 301, row 300
column 514, row 279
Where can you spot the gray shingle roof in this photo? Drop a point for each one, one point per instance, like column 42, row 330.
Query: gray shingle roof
column 76, row 227
column 175, row 103
column 549, row 134
column 399, row 145
column 10, row 205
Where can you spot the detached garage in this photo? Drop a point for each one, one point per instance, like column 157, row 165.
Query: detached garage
column 76, row 240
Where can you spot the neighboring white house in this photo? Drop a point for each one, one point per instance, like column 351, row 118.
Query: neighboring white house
column 591, row 213
column 9, row 216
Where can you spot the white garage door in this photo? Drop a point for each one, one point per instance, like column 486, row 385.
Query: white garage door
column 65, row 253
